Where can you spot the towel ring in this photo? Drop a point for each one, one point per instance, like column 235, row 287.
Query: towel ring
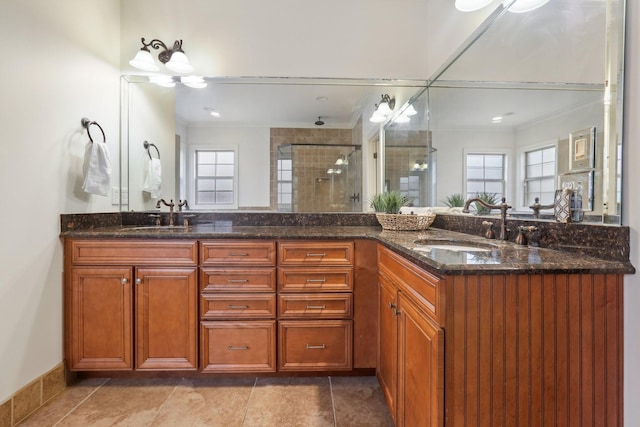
column 147, row 144
column 86, row 123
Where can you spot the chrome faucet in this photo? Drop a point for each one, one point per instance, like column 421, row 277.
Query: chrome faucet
column 503, row 213
column 171, row 205
column 537, row 206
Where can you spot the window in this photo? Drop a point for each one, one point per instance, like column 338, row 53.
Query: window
column 485, row 174
column 215, row 178
column 540, row 175
column 285, row 185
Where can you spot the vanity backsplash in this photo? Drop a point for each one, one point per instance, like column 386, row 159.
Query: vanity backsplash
column 597, row 240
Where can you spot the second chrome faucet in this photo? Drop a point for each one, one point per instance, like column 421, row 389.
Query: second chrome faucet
column 504, row 231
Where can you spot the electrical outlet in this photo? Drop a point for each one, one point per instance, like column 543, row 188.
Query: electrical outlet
column 115, row 196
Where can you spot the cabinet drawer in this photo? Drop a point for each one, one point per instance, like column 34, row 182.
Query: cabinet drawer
column 238, row 346
column 238, row 279
column 315, row 253
column 315, row 279
column 315, row 345
column 238, row 305
column 333, row 306
column 235, row 252
column 424, row 287
column 124, row 251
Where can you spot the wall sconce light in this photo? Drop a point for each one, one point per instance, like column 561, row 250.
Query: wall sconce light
column 342, row 160
column 522, row 6
column 420, row 165
column 383, row 110
column 174, row 58
column 517, row 6
column 471, row 5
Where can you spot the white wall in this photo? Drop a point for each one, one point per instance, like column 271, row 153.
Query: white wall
column 631, row 216
column 331, row 38
column 451, row 145
column 64, row 65
column 253, row 144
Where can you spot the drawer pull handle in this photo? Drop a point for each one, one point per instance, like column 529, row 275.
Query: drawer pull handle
column 238, row 254
column 239, row 347
column 316, row 280
column 237, row 281
column 238, row 307
column 316, row 347
column 316, row 307
column 392, row 305
column 318, row 254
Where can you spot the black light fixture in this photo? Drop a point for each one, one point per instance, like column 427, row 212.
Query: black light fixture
column 173, row 58
column 383, row 109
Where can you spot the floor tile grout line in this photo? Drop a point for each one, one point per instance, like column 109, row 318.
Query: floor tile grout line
column 246, row 409
column 81, row 402
column 175, row 387
column 333, row 403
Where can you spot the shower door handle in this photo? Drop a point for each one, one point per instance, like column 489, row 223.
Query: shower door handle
column 355, row 197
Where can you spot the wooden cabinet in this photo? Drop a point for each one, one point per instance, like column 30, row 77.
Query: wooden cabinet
column 411, row 351
column 101, row 305
column 315, row 305
column 521, row 349
column 420, row 367
column 387, row 368
column 238, row 306
column 99, row 318
column 166, row 318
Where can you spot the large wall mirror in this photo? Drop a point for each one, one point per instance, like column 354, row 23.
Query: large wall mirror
column 529, row 104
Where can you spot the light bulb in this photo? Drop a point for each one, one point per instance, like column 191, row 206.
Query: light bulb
column 144, row 61
column 471, row 5
column 179, row 63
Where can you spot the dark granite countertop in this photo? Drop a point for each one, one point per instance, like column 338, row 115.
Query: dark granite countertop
column 492, row 256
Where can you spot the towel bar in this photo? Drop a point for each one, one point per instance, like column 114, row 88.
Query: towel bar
column 86, row 123
column 147, row 144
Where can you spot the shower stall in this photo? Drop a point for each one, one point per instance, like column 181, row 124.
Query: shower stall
column 319, row 178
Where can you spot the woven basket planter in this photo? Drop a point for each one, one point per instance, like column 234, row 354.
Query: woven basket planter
column 399, row 222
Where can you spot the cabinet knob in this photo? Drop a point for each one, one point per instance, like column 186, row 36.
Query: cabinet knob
column 124, row 281
column 391, row 305
column 138, row 281
column 396, row 312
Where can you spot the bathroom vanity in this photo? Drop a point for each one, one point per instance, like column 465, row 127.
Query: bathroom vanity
column 501, row 335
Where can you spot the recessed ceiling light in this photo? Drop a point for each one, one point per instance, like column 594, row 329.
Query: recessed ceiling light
column 321, row 98
column 496, row 119
column 212, row 111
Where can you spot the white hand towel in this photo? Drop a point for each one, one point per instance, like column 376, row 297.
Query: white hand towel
column 153, row 178
column 97, row 169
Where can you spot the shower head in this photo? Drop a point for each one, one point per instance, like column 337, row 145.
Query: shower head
column 319, row 122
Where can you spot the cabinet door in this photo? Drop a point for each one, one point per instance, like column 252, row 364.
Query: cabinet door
column 98, row 316
column 166, row 318
column 387, row 371
column 420, row 367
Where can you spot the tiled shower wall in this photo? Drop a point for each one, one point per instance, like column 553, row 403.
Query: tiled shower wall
column 314, row 189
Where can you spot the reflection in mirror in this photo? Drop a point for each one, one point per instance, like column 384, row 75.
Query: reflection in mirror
column 295, row 145
column 529, row 106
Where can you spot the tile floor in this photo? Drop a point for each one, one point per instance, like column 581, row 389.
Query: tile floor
column 265, row 402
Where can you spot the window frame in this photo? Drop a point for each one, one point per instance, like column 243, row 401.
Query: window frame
column 522, row 151
column 505, row 165
column 192, row 167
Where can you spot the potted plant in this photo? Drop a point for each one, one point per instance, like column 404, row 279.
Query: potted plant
column 488, row 198
column 389, row 202
column 387, row 206
column 454, row 201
